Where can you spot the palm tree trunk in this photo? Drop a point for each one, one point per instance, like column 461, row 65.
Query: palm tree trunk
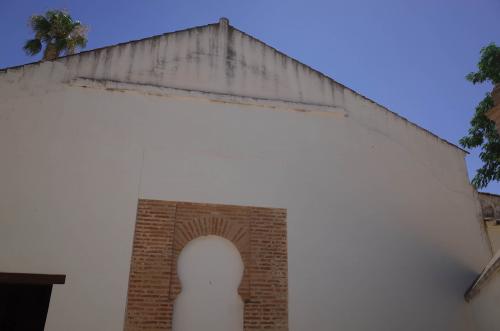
column 51, row 52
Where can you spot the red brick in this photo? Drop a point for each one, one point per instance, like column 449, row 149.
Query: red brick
column 163, row 228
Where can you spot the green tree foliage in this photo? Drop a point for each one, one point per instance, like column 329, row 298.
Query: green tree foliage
column 482, row 132
column 58, row 31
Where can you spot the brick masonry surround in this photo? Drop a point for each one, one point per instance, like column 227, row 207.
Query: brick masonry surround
column 162, row 230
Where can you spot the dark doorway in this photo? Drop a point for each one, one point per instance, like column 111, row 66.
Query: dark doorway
column 24, row 300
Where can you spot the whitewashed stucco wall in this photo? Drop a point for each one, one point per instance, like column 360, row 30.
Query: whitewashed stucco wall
column 383, row 230
column 485, row 306
column 493, row 231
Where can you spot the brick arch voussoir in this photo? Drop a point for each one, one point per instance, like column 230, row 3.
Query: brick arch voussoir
column 236, row 232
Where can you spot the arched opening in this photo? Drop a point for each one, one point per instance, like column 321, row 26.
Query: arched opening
column 210, row 269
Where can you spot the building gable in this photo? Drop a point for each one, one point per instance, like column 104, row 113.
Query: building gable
column 214, row 58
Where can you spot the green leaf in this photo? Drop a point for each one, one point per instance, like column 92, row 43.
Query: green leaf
column 482, row 132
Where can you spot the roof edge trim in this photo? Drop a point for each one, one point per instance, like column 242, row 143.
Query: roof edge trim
column 487, row 274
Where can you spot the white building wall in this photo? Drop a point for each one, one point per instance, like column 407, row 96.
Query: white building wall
column 383, row 231
column 485, row 305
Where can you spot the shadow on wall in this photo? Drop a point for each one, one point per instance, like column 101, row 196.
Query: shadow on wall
column 389, row 274
column 210, row 269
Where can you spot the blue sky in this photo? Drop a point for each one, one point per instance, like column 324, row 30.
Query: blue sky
column 410, row 56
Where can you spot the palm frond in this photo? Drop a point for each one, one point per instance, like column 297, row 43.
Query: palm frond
column 39, row 23
column 81, row 41
column 33, row 46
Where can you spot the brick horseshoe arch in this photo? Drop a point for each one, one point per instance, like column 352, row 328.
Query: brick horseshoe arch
column 162, row 230
column 235, row 231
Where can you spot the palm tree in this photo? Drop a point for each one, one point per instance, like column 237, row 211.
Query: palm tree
column 58, row 31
